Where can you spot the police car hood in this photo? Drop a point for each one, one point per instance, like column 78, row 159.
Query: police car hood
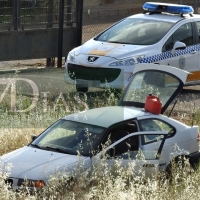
column 113, row 50
column 37, row 164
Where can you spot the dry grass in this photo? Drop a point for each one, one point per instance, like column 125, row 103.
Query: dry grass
column 13, row 138
column 101, row 184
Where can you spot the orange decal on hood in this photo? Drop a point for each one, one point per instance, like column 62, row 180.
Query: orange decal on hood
column 103, row 49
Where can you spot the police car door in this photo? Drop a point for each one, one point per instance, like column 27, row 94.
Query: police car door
column 126, row 153
column 197, row 25
column 187, row 58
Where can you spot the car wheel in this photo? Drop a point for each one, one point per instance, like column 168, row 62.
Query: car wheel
column 81, row 89
column 178, row 169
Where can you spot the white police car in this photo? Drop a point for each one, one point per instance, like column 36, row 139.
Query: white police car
column 136, row 136
column 166, row 34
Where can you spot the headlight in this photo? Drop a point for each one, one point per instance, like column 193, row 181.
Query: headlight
column 127, row 62
column 39, row 184
column 71, row 57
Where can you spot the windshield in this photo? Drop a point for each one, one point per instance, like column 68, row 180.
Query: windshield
column 70, row 137
column 157, row 83
column 136, row 31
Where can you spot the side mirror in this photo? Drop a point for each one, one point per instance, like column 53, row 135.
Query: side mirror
column 178, row 46
column 33, row 137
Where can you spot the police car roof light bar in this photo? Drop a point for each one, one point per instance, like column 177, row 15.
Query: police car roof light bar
column 155, row 7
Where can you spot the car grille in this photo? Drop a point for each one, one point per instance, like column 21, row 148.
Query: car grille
column 104, row 75
column 27, row 183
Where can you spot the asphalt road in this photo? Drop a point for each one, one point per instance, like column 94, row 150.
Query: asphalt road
column 46, row 80
column 49, row 80
column 43, row 83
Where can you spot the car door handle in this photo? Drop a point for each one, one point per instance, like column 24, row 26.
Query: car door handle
column 193, row 52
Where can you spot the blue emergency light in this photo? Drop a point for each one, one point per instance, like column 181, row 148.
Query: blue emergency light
column 169, row 8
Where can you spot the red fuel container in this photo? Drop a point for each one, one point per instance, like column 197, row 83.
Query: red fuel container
column 153, row 104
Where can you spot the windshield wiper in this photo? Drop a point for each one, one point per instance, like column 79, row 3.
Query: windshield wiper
column 36, row 146
column 115, row 42
column 51, row 148
column 119, row 42
column 56, row 149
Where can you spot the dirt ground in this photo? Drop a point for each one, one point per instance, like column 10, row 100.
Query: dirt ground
column 34, row 63
column 25, row 64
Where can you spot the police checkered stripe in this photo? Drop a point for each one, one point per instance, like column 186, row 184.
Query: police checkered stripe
column 168, row 54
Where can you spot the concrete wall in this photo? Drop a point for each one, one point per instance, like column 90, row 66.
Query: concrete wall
column 31, row 44
column 89, row 3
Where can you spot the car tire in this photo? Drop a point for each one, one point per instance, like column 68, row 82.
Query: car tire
column 81, row 89
column 179, row 168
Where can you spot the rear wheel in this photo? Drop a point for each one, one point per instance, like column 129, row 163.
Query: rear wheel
column 179, row 168
column 81, row 89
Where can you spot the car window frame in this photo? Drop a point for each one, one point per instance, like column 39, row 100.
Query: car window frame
column 109, row 129
column 197, row 36
column 42, row 135
column 168, row 136
column 102, row 154
column 172, row 35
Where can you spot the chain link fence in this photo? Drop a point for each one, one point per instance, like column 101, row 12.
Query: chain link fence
column 97, row 14
column 100, row 14
column 34, row 14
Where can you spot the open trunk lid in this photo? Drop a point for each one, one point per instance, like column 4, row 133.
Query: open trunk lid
column 163, row 81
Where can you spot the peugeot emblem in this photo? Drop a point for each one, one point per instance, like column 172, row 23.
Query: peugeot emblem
column 92, row 59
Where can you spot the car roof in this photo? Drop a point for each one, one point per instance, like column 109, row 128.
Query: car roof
column 107, row 116
column 164, row 17
column 160, row 17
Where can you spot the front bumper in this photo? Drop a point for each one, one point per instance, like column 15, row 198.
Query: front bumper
column 96, row 76
column 18, row 184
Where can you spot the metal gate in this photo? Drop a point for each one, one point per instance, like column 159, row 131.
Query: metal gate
column 31, row 28
column 38, row 28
